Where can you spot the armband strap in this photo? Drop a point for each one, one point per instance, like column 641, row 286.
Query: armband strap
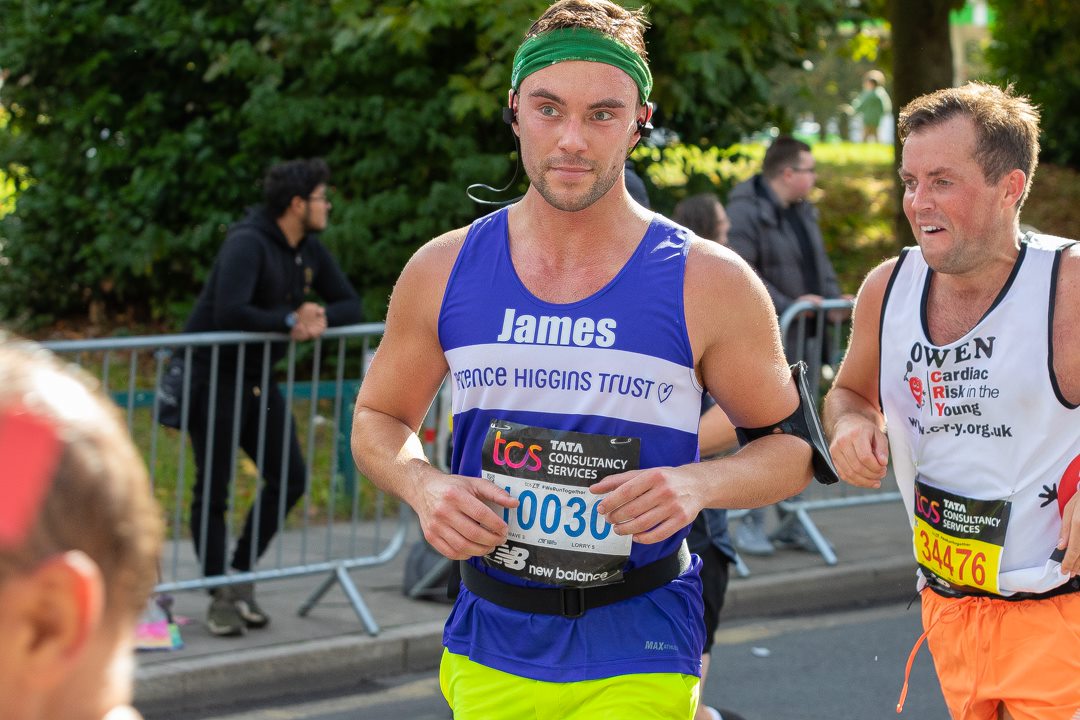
column 803, row 423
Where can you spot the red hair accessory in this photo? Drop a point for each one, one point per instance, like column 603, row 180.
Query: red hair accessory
column 29, row 453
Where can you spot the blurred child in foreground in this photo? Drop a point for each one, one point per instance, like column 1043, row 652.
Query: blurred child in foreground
column 80, row 536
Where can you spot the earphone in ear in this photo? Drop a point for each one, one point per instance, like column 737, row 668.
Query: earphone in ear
column 644, row 127
column 509, row 113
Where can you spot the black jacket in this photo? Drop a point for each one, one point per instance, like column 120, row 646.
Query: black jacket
column 761, row 235
column 256, row 281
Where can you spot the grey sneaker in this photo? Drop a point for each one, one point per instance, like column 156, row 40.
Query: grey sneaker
column 222, row 619
column 749, row 537
column 244, row 599
column 793, row 536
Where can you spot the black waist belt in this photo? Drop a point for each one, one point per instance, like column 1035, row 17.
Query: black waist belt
column 1073, row 585
column 573, row 602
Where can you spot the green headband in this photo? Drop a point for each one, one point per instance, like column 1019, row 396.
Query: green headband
column 555, row 46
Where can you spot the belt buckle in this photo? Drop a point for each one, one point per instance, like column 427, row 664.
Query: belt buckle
column 572, row 602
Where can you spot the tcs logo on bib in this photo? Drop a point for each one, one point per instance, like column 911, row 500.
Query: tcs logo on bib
column 515, row 455
column 927, row 508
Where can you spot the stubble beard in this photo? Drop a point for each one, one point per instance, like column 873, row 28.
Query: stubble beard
column 571, row 203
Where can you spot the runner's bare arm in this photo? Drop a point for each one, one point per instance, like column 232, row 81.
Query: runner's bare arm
column 736, row 342
column 404, row 377
column 1067, row 371
column 853, row 419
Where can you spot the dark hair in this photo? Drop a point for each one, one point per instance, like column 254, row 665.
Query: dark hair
column 295, row 178
column 783, row 153
column 698, row 213
column 627, row 26
column 1006, row 126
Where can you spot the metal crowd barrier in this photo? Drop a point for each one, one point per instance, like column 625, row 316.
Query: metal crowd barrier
column 810, row 335
column 342, row 522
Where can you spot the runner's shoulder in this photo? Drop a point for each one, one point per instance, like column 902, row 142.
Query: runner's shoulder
column 431, row 264
column 712, row 267
column 877, row 280
column 1070, row 262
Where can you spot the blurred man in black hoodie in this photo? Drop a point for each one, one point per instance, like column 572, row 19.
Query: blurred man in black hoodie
column 269, row 266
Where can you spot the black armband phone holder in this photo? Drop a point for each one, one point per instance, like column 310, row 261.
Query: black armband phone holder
column 803, row 423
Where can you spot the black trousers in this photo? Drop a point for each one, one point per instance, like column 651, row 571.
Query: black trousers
column 213, row 470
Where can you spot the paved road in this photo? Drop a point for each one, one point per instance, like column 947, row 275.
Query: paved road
column 824, row 666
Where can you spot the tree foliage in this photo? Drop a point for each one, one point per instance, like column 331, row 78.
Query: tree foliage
column 1044, row 63
column 831, row 74
column 139, row 129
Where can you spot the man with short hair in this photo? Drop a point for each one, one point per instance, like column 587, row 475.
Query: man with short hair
column 80, row 538
column 578, row 330
column 267, row 277
column 965, row 362
column 774, row 227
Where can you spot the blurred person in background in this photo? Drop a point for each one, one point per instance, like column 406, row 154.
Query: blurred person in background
column 269, row 276
column 872, row 104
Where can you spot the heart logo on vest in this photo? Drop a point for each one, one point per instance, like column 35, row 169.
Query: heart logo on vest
column 663, row 391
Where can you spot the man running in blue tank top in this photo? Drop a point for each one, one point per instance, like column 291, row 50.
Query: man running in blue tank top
column 578, row 330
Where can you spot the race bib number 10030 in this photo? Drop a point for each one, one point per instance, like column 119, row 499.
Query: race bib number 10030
column 556, row 536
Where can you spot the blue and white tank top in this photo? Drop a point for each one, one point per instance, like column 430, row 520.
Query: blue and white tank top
column 981, row 437
column 617, row 363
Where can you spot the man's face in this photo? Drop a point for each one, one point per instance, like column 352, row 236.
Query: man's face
column 803, row 175
column 954, row 213
column 316, row 210
column 577, row 124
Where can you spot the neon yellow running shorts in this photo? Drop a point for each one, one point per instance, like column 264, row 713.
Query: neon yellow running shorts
column 477, row 692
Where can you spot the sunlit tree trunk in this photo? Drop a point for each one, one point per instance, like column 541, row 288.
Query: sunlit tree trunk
column 922, row 63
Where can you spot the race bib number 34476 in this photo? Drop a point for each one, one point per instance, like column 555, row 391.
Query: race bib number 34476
column 556, row 535
column 959, row 539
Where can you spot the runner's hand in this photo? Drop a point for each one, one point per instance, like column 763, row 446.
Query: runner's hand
column 860, row 452
column 651, row 504
column 457, row 519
